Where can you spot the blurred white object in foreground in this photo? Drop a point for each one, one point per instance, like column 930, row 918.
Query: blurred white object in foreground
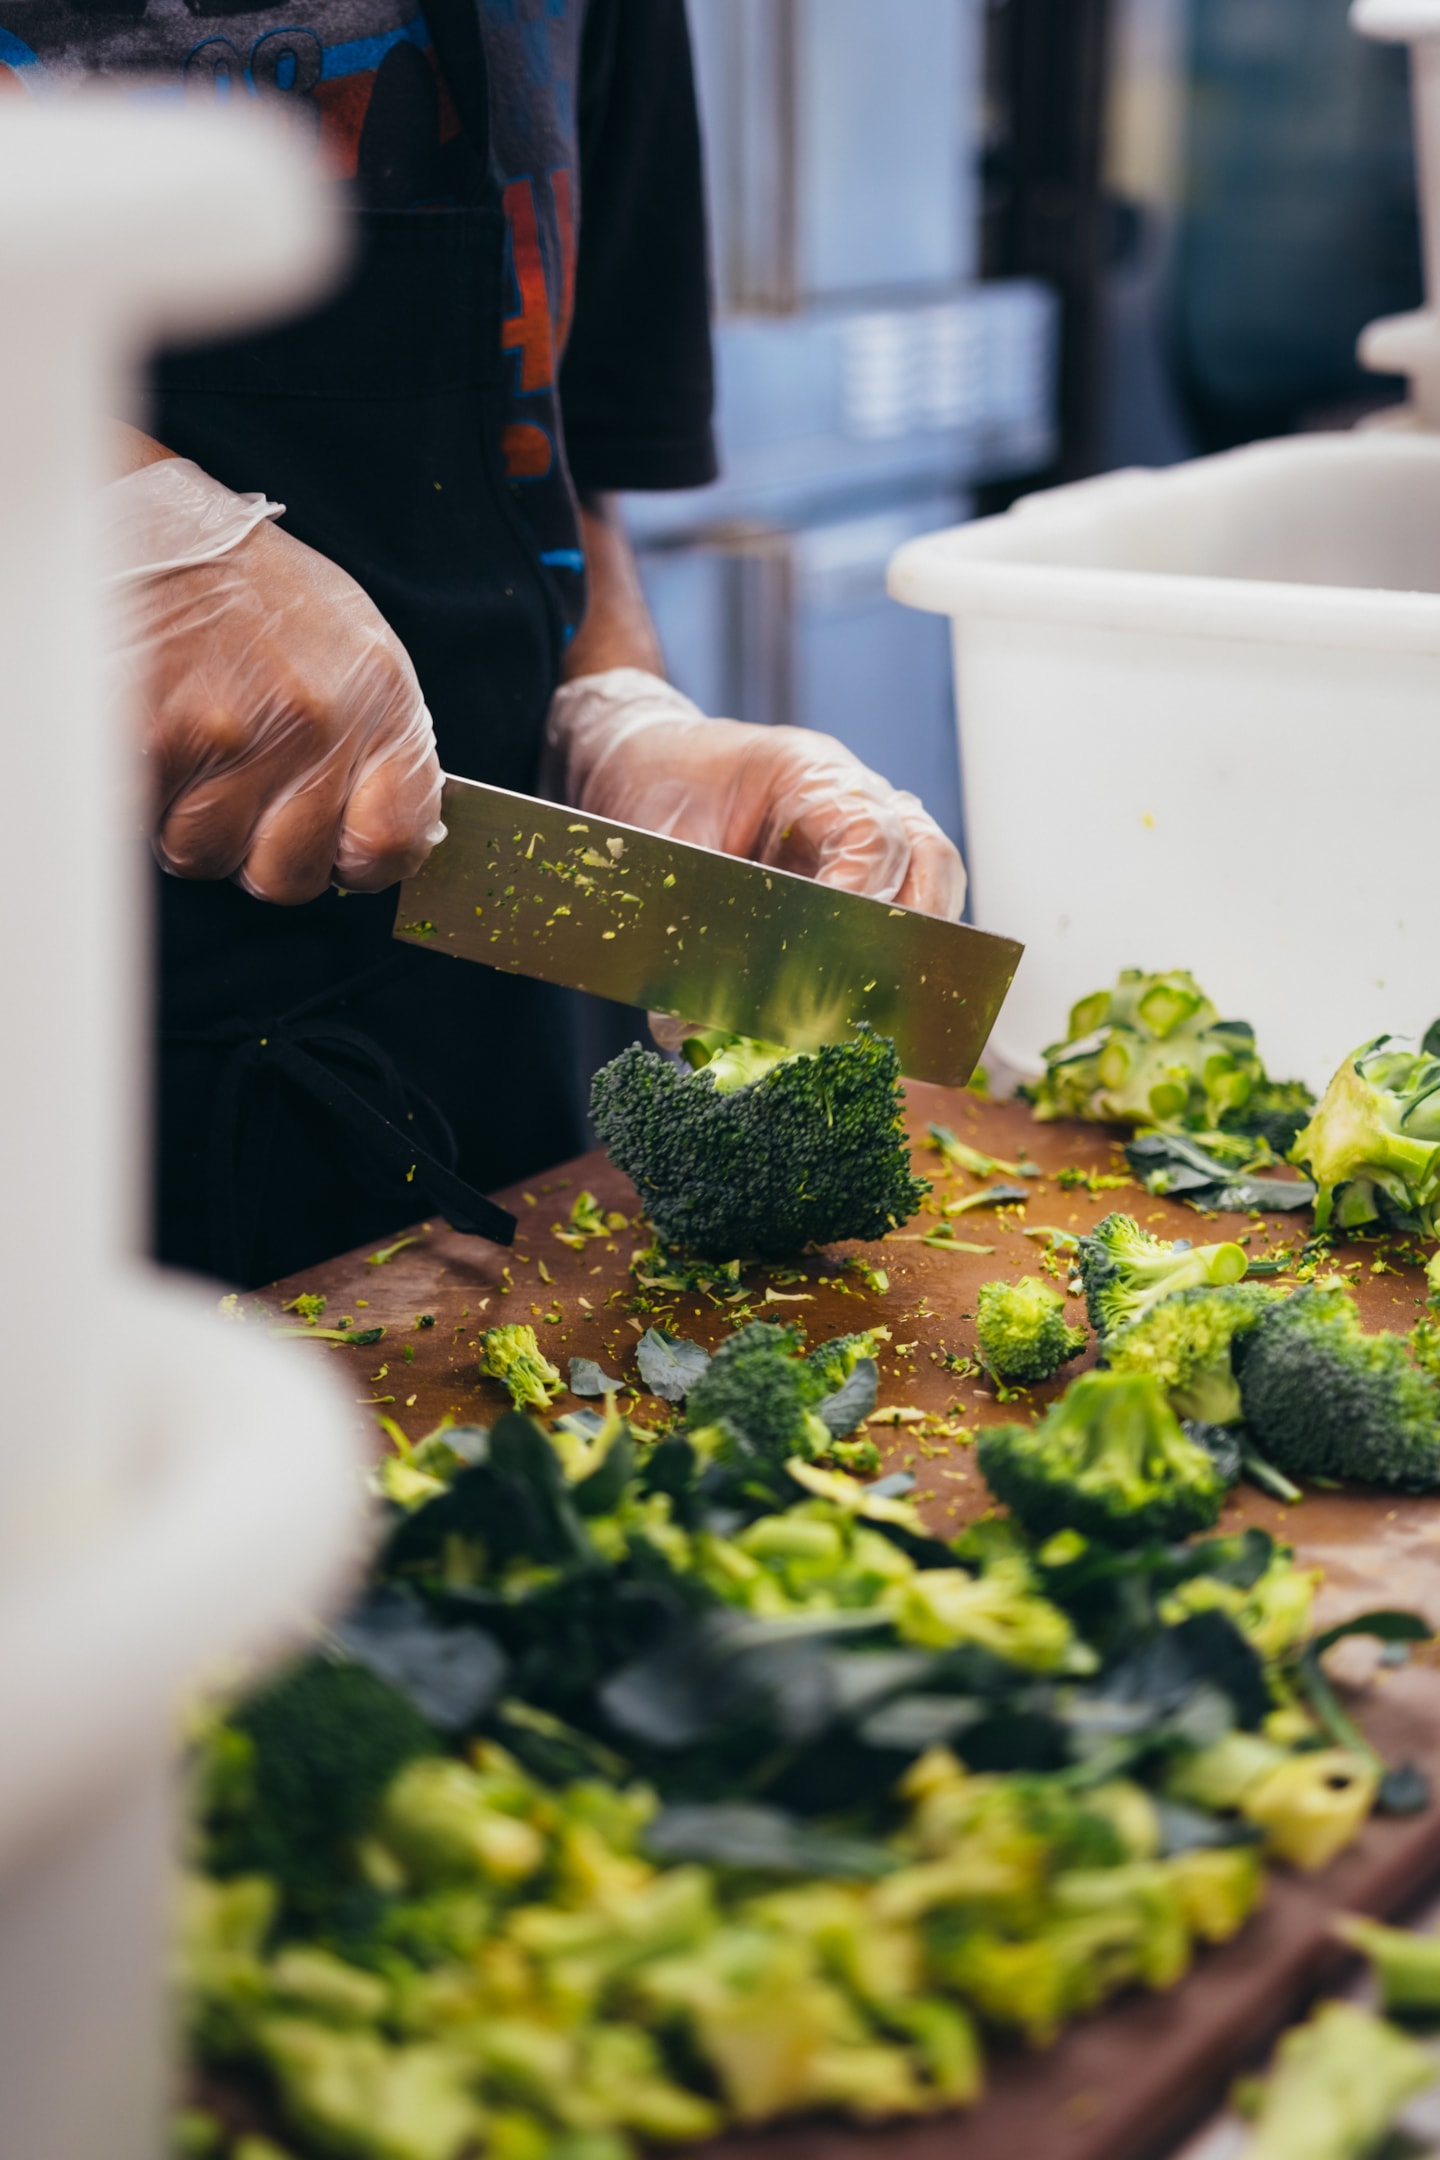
column 1410, row 344
column 1200, row 709
column 172, row 1493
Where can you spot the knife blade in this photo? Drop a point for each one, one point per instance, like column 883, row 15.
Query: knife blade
column 535, row 888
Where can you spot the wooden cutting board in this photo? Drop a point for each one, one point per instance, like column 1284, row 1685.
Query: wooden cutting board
column 1125, row 2084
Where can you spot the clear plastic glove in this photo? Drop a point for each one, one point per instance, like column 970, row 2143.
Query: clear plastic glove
column 626, row 745
column 283, row 725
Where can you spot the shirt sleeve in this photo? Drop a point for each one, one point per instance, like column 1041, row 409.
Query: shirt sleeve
column 637, row 382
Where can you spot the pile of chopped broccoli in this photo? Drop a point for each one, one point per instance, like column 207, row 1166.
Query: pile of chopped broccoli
column 511, row 1354
column 1323, row 1399
column 1338, row 2085
column 1109, row 1460
column 1154, row 1050
column 1023, row 1333
column 1125, row 1271
column 1186, row 1343
column 1373, row 1145
column 761, row 1152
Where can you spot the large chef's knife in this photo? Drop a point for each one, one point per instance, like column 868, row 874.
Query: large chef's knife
column 536, row 889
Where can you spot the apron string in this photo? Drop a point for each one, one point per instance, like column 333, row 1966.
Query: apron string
column 295, row 1049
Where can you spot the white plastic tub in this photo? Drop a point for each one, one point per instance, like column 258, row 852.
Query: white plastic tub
column 1200, row 727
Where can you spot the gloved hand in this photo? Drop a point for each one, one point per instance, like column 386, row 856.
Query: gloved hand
column 283, row 726
column 626, row 745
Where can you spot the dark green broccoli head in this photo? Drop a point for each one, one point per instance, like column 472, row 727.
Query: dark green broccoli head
column 1125, row 1271
column 1275, row 1113
column 1185, row 1343
column 1109, row 1460
column 324, row 1742
column 760, row 1392
column 1324, row 1399
column 730, row 1166
column 1023, row 1333
column 1375, row 1139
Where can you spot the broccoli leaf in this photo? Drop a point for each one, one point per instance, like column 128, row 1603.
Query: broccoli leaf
column 1167, row 1162
column 451, row 1675
column 587, row 1378
column 669, row 1365
column 741, row 1835
column 1404, row 1788
column 851, row 1402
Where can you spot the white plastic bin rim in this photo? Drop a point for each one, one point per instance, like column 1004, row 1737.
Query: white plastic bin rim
column 1315, row 540
column 1401, row 20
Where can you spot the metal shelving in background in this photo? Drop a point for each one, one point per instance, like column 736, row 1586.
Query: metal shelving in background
column 869, row 380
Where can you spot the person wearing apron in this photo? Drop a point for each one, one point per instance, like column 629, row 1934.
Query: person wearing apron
column 319, row 1085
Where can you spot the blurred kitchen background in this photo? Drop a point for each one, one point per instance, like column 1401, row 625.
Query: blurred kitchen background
column 966, row 248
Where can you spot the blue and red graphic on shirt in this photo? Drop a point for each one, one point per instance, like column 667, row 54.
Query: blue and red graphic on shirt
column 360, row 77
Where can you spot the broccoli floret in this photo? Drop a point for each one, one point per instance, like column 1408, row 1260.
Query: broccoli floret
column 1125, row 1271
column 835, row 1361
column 762, row 1153
column 1374, row 1142
column 363, row 2099
column 1152, row 1049
column 511, row 1355
column 1324, row 1399
column 1339, row 2082
column 1406, row 1965
column 325, row 1741
column 1024, row 1336
column 1110, row 1460
column 759, row 1392
column 1185, row 1343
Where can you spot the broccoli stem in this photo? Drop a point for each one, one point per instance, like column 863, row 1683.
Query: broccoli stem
column 1267, row 1477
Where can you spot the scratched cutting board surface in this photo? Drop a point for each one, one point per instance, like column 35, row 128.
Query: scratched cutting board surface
column 1123, row 2085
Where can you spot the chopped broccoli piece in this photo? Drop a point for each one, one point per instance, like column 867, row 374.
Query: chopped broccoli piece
column 1155, row 1050
column 1185, row 1343
column 448, row 1824
column 939, row 1608
column 1324, row 1399
column 1109, row 1459
column 1406, row 1965
column 1339, row 2082
column 511, row 1355
column 1125, row 1271
column 1373, row 1145
column 761, row 1152
column 759, row 1392
column 325, row 1742
column 1311, row 1806
column 362, row 2099
column 1023, row 1333
column 1219, row 1887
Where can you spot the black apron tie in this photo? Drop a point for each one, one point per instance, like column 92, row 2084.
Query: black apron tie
column 408, row 1138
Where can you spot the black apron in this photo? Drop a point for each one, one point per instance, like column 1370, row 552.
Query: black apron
column 315, row 1080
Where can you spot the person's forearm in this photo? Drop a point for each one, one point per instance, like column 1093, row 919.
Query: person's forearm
column 617, row 630
column 130, row 450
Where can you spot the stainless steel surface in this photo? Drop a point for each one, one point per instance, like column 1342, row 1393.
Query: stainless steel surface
column 536, row 889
